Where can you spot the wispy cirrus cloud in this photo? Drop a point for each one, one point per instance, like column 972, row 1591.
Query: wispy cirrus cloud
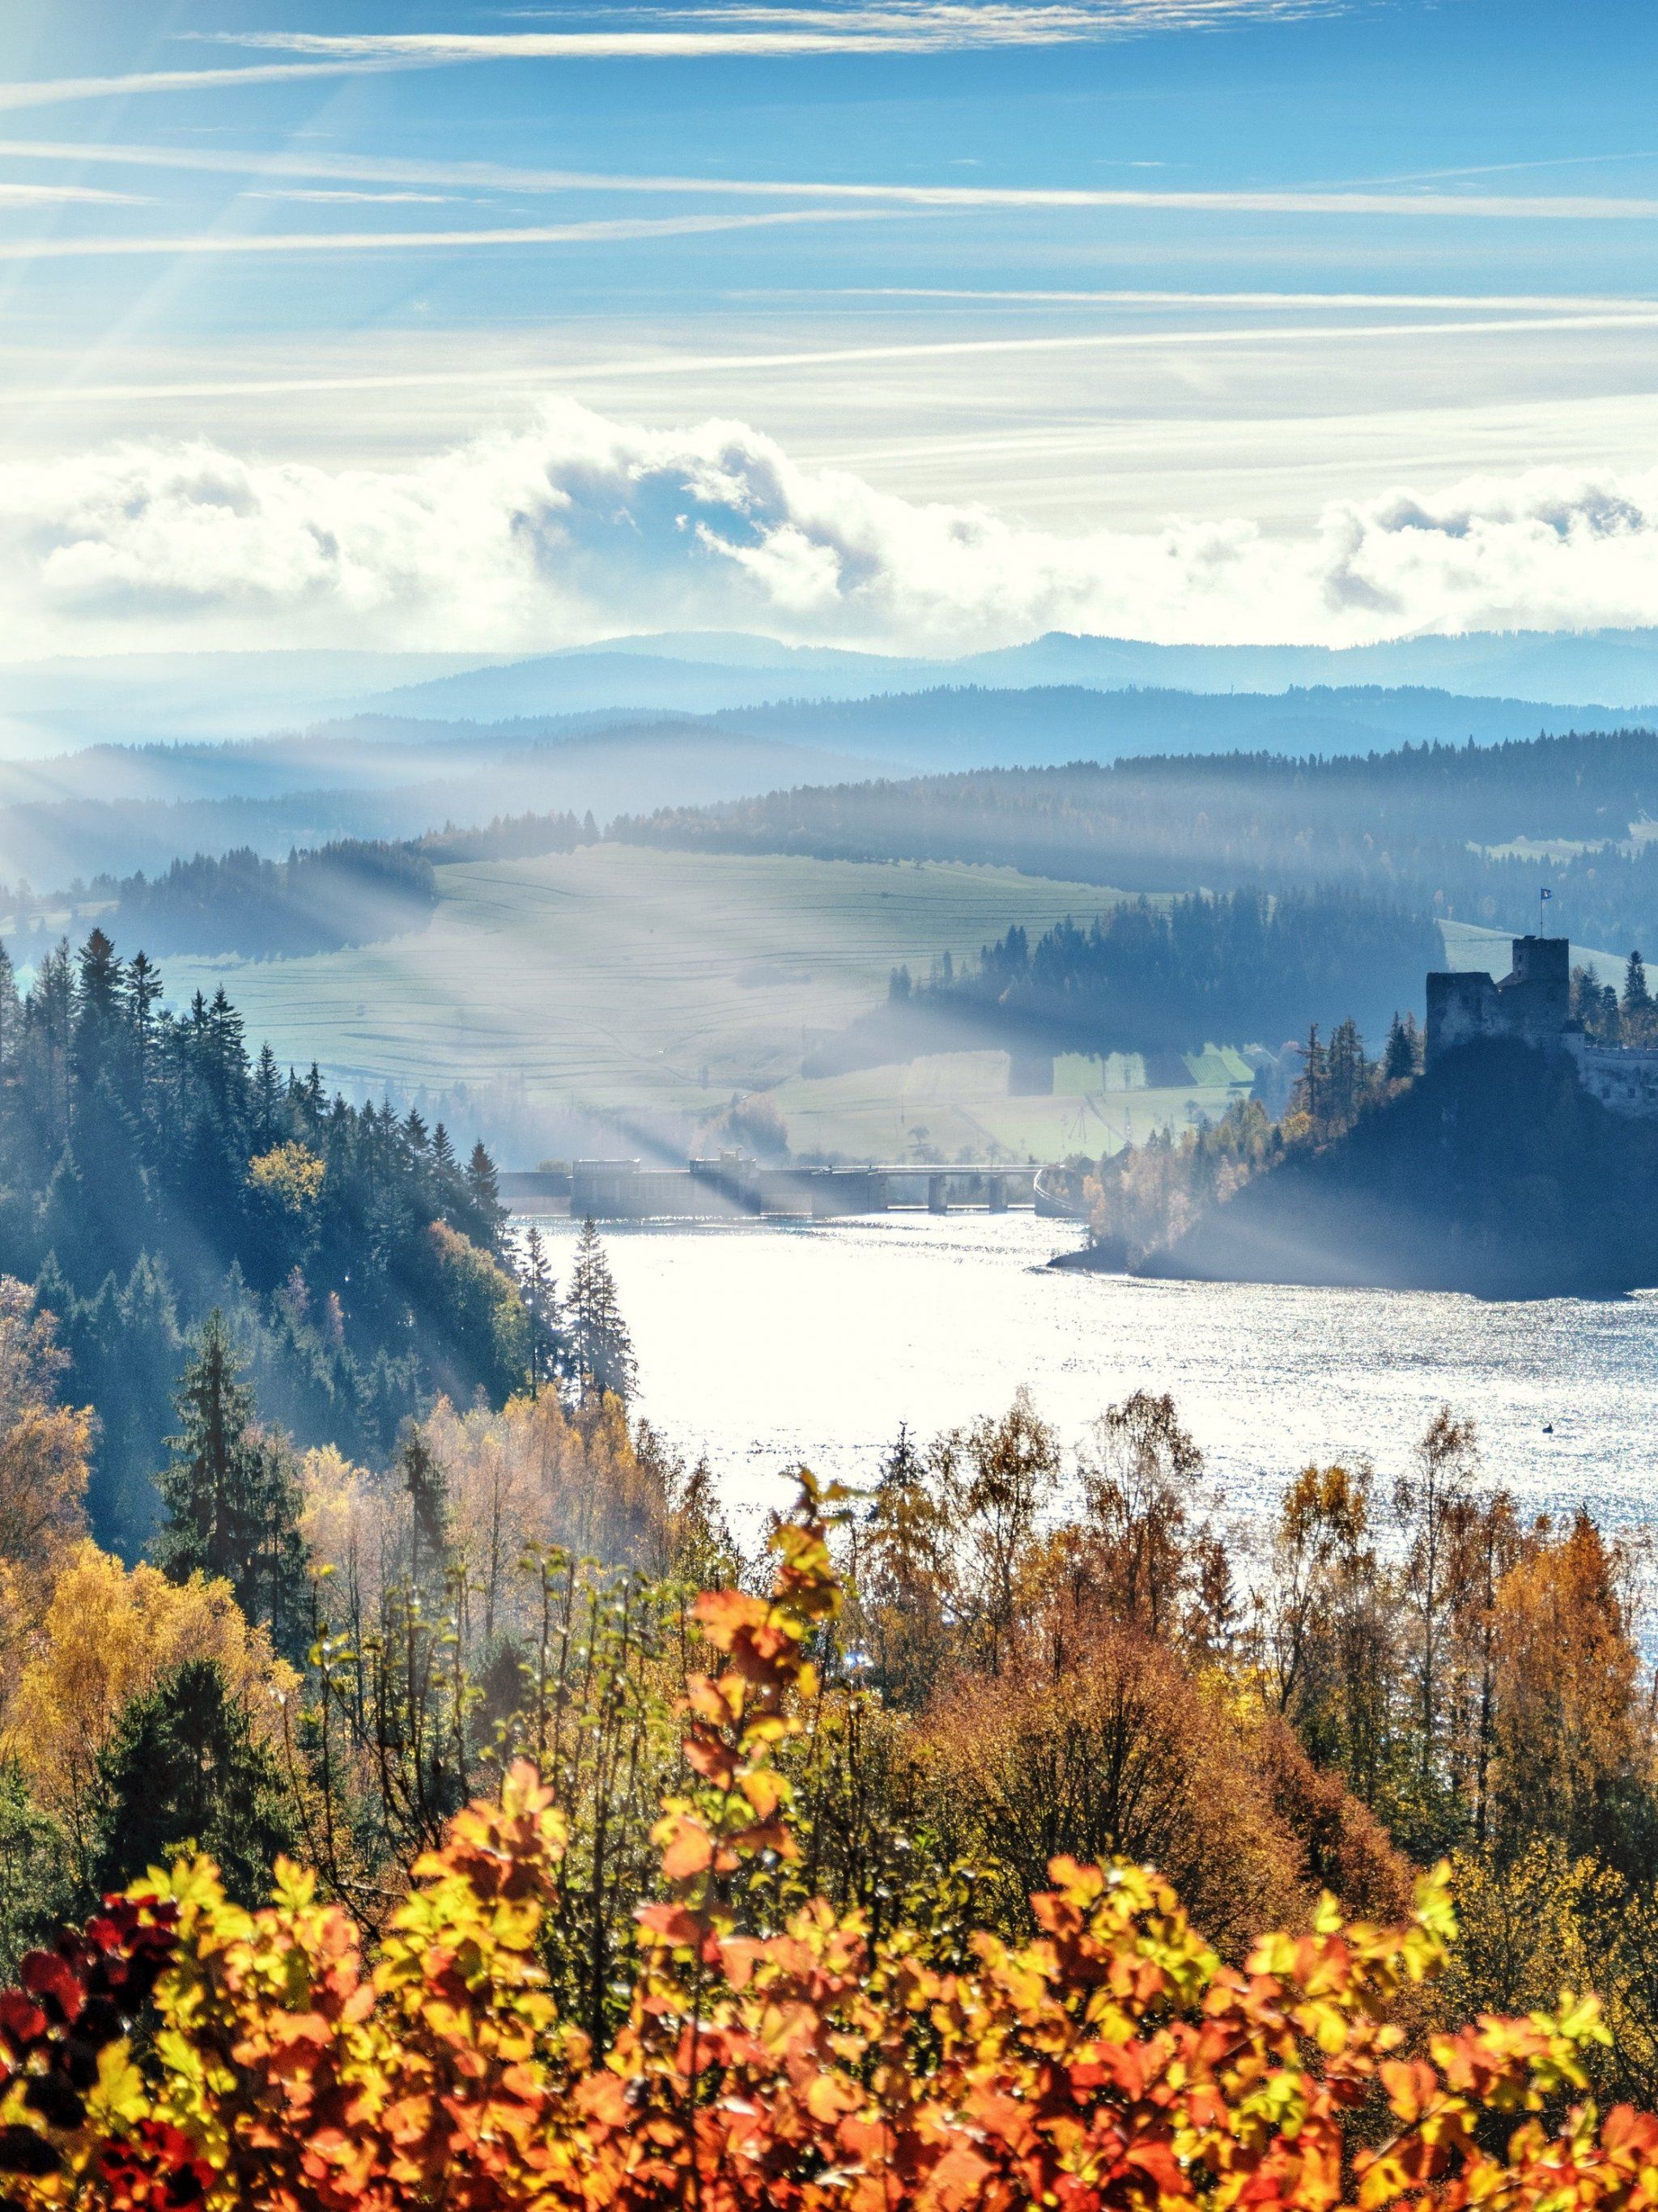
column 26, row 196
column 601, row 232
column 576, row 527
column 900, row 26
column 324, row 196
column 56, row 92
column 904, row 26
column 483, row 177
column 1551, row 317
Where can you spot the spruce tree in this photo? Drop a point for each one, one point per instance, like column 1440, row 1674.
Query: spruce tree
column 143, row 994
column 541, row 1304
column 231, row 1500
column 428, row 1500
column 11, row 1016
column 488, row 1215
column 598, row 1352
column 1399, row 1062
column 1638, row 1008
column 183, row 1768
column 1312, row 1092
column 1347, row 1073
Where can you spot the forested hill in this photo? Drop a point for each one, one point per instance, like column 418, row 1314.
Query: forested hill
column 1495, row 1173
column 150, row 1169
column 972, row 725
column 351, row 891
column 1144, row 979
column 1414, row 825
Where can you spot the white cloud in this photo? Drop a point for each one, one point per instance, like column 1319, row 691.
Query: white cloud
column 926, row 26
column 486, row 176
column 579, row 527
column 605, row 232
column 321, row 197
column 26, row 196
column 902, row 27
column 53, row 92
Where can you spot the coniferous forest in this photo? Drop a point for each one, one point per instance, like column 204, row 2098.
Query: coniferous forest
column 1144, row 978
column 152, row 1169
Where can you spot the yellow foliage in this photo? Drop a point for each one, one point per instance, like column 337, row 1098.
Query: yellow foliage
column 290, row 1175
column 532, row 1475
column 108, row 1634
column 343, row 1517
column 44, row 1451
column 529, row 1475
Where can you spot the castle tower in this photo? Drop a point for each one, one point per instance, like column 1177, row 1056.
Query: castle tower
column 1533, row 1002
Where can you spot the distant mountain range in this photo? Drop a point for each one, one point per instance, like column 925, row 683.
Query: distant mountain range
column 1614, row 670
column 49, row 707
column 1047, row 725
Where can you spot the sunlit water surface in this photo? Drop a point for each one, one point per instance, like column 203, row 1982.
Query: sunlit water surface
column 769, row 1346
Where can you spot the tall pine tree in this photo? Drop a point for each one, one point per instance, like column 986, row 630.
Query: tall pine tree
column 598, row 1352
column 541, row 1304
column 183, row 1768
column 231, row 1500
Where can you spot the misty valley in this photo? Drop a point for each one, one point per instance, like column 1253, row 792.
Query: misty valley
column 828, row 1106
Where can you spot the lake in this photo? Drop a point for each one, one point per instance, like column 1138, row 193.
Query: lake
column 767, row 1345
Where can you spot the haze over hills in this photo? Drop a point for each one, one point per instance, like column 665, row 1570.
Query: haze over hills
column 1048, row 725
column 51, row 707
column 1612, row 669
column 115, row 809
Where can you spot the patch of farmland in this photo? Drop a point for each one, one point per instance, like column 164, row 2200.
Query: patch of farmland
column 620, row 978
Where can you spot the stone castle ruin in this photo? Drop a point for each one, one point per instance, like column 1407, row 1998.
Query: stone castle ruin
column 1533, row 1004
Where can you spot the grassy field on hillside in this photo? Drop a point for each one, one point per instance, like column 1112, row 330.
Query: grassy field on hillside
column 613, row 977
column 954, row 1105
column 609, row 980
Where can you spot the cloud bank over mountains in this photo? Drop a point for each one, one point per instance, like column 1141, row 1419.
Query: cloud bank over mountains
column 577, row 527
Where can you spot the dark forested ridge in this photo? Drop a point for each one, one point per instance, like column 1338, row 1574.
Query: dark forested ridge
column 983, row 726
column 354, row 891
column 1413, row 826
column 1495, row 1173
column 1238, row 968
column 350, row 892
column 150, row 1169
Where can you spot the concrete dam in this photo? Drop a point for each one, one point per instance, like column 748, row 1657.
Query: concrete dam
column 733, row 1188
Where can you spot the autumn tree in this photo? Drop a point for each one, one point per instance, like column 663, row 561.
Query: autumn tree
column 1323, row 1629
column 1144, row 1549
column 107, row 1635
column 1571, row 1734
column 999, row 1475
column 541, row 1307
column 1435, row 1505
column 904, row 1583
column 43, row 1451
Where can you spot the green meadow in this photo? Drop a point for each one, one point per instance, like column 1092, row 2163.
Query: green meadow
column 623, row 978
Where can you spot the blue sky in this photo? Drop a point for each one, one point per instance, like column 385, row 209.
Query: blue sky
column 913, row 322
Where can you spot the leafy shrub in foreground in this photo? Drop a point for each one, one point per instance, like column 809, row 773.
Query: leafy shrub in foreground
column 771, row 2058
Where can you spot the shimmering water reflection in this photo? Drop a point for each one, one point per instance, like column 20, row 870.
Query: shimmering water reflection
column 767, row 1346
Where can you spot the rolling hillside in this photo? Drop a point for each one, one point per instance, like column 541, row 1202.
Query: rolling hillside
column 603, row 983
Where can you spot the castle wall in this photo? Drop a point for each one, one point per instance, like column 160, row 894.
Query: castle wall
column 1625, row 1081
column 1533, row 1004
column 1461, row 1009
